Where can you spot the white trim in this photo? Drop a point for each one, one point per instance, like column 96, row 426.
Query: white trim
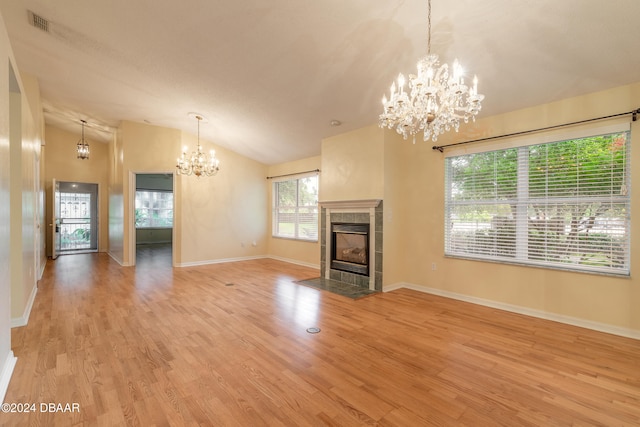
column 293, row 261
column 5, row 374
column 327, row 245
column 17, row 322
column 574, row 321
column 219, row 261
column 349, row 204
column 372, row 248
column 113, row 257
column 43, row 266
column 131, row 224
column 248, row 258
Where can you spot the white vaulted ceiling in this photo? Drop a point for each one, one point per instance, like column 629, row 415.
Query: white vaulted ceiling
column 271, row 75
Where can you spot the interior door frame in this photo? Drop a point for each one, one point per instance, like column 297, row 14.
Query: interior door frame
column 132, row 214
column 55, row 212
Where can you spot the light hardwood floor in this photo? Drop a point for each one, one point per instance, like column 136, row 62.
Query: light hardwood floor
column 226, row 345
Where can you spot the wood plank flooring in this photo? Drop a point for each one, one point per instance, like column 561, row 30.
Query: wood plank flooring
column 226, row 345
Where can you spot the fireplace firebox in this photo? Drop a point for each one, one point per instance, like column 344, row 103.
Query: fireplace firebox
column 350, row 247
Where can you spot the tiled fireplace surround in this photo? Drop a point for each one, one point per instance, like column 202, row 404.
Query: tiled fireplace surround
column 358, row 212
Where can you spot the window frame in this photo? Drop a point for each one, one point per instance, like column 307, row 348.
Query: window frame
column 297, row 211
column 520, row 226
column 150, row 209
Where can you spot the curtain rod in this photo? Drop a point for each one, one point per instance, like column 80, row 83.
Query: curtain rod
column 292, row 174
column 635, row 113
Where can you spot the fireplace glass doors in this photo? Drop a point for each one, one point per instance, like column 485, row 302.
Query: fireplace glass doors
column 350, row 247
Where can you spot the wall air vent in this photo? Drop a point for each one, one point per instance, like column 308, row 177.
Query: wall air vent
column 38, row 22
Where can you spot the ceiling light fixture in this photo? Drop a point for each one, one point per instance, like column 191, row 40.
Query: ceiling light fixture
column 83, row 146
column 435, row 101
column 198, row 163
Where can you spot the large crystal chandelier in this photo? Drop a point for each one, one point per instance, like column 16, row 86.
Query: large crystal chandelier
column 198, row 163
column 435, row 100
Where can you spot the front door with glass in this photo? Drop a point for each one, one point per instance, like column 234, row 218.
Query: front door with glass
column 77, row 217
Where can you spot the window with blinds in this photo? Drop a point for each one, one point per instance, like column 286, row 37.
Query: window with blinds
column 561, row 204
column 154, row 209
column 295, row 208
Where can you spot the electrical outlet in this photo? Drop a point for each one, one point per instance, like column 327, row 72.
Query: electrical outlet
column 434, row 267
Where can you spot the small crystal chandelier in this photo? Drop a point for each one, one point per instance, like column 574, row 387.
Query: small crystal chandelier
column 198, row 163
column 435, row 101
column 83, row 146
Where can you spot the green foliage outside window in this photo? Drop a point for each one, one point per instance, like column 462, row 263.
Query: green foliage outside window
column 556, row 203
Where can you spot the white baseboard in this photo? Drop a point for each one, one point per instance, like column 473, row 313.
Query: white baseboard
column 223, row 260
column 43, row 265
column 5, row 374
column 119, row 261
column 574, row 321
column 17, row 322
column 294, row 261
column 218, row 261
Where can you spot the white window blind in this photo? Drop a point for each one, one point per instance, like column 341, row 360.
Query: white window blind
column 561, row 204
column 295, row 208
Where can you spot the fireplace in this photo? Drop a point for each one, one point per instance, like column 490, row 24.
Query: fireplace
column 351, row 233
column 350, row 247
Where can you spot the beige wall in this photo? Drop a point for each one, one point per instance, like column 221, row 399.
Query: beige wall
column 20, row 201
column 142, row 148
column 7, row 360
column 353, row 166
column 25, row 147
column 591, row 298
column 372, row 163
column 215, row 218
column 221, row 217
column 62, row 164
column 34, row 103
column 298, row 251
column 394, row 200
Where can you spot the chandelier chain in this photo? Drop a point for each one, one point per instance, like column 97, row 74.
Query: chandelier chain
column 429, row 30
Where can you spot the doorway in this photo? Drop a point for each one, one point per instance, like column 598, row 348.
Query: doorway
column 75, row 218
column 153, row 219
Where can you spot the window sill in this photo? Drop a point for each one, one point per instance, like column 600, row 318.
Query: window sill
column 295, row 239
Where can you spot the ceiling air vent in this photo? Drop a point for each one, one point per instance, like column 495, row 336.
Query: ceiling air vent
column 38, row 22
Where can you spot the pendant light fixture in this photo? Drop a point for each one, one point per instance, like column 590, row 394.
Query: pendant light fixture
column 83, row 146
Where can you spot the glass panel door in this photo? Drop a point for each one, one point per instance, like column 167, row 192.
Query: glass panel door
column 77, row 217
